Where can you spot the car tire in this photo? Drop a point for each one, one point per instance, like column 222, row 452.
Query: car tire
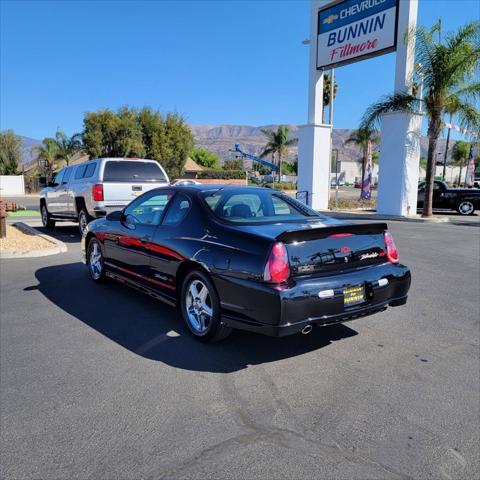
column 200, row 308
column 95, row 261
column 83, row 220
column 465, row 207
column 46, row 218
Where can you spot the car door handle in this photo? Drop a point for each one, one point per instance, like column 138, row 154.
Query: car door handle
column 145, row 239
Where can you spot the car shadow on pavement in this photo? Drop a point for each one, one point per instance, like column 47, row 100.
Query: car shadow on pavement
column 156, row 331
column 64, row 233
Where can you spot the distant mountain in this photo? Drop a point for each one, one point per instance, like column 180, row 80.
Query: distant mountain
column 28, row 145
column 221, row 139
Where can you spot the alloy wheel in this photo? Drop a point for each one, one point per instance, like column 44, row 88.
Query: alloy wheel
column 466, row 208
column 95, row 261
column 198, row 305
column 44, row 216
column 82, row 222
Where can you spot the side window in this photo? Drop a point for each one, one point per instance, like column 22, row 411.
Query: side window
column 177, row 210
column 67, row 174
column 281, row 207
column 59, row 177
column 90, row 170
column 436, row 187
column 148, row 209
column 243, row 206
column 80, row 171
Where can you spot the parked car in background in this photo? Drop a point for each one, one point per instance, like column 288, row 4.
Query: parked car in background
column 95, row 188
column 464, row 200
column 186, row 181
column 333, row 182
column 248, row 258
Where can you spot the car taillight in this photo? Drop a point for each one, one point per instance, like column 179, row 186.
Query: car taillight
column 392, row 252
column 277, row 269
column 97, row 193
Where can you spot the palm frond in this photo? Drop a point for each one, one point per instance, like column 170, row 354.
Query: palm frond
column 390, row 103
column 266, row 151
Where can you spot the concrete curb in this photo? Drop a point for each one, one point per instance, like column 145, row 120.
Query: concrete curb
column 58, row 246
column 362, row 215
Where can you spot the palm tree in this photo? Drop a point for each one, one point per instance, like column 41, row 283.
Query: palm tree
column 278, row 143
column 448, row 70
column 67, row 146
column 327, row 81
column 361, row 137
column 460, row 153
column 48, row 153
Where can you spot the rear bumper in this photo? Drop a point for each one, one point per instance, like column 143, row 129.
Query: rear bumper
column 104, row 210
column 284, row 312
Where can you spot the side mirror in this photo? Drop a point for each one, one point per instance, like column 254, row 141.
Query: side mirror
column 116, row 216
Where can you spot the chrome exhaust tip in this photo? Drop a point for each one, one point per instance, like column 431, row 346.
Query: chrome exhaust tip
column 307, row 329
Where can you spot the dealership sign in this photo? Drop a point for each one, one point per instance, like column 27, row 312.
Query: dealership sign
column 351, row 30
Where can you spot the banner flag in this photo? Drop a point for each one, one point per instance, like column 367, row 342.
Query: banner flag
column 367, row 175
column 470, row 175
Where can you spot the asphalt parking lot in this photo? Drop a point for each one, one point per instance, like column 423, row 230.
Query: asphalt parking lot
column 104, row 382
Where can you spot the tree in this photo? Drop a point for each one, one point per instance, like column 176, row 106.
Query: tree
column 448, row 68
column 278, row 143
column 205, row 158
column 144, row 133
column 235, row 164
column 460, row 152
column 361, row 137
column 68, row 147
column 10, row 152
column 327, row 82
column 48, row 155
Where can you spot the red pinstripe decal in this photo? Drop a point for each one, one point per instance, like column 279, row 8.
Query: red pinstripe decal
column 143, row 277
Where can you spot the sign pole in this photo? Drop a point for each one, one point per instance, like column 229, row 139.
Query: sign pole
column 401, row 131
column 314, row 138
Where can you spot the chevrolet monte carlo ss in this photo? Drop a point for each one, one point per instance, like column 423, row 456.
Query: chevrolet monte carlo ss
column 247, row 258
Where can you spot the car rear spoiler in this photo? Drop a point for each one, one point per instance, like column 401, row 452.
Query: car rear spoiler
column 324, row 232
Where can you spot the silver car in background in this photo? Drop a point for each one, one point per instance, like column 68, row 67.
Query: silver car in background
column 95, row 188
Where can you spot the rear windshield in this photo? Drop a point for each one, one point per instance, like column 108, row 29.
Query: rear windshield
column 256, row 206
column 134, row 171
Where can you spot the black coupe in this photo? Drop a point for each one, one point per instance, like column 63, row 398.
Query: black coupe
column 248, row 258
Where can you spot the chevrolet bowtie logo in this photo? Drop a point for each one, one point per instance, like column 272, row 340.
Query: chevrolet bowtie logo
column 330, row 18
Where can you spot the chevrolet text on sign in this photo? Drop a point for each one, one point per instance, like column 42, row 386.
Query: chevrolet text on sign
column 353, row 29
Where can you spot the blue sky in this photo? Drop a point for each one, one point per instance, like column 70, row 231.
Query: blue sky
column 237, row 62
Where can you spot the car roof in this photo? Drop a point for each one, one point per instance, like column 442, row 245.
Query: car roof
column 218, row 186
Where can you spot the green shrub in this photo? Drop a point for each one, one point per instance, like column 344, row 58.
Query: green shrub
column 222, row 174
column 352, row 204
column 282, row 185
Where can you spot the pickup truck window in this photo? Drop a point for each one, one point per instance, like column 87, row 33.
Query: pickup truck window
column 90, row 170
column 134, row 171
column 67, row 174
column 59, row 177
column 80, row 171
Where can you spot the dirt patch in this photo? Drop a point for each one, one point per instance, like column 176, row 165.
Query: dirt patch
column 20, row 242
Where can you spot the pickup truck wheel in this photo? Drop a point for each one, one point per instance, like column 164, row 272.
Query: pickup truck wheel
column 465, row 207
column 83, row 220
column 201, row 308
column 46, row 218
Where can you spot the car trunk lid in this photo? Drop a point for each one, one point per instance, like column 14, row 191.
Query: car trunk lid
column 334, row 247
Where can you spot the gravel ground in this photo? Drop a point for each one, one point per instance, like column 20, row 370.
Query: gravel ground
column 21, row 242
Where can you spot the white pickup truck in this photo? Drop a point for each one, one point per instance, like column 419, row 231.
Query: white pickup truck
column 97, row 187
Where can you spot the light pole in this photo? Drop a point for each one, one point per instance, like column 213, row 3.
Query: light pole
column 335, row 150
column 421, row 75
